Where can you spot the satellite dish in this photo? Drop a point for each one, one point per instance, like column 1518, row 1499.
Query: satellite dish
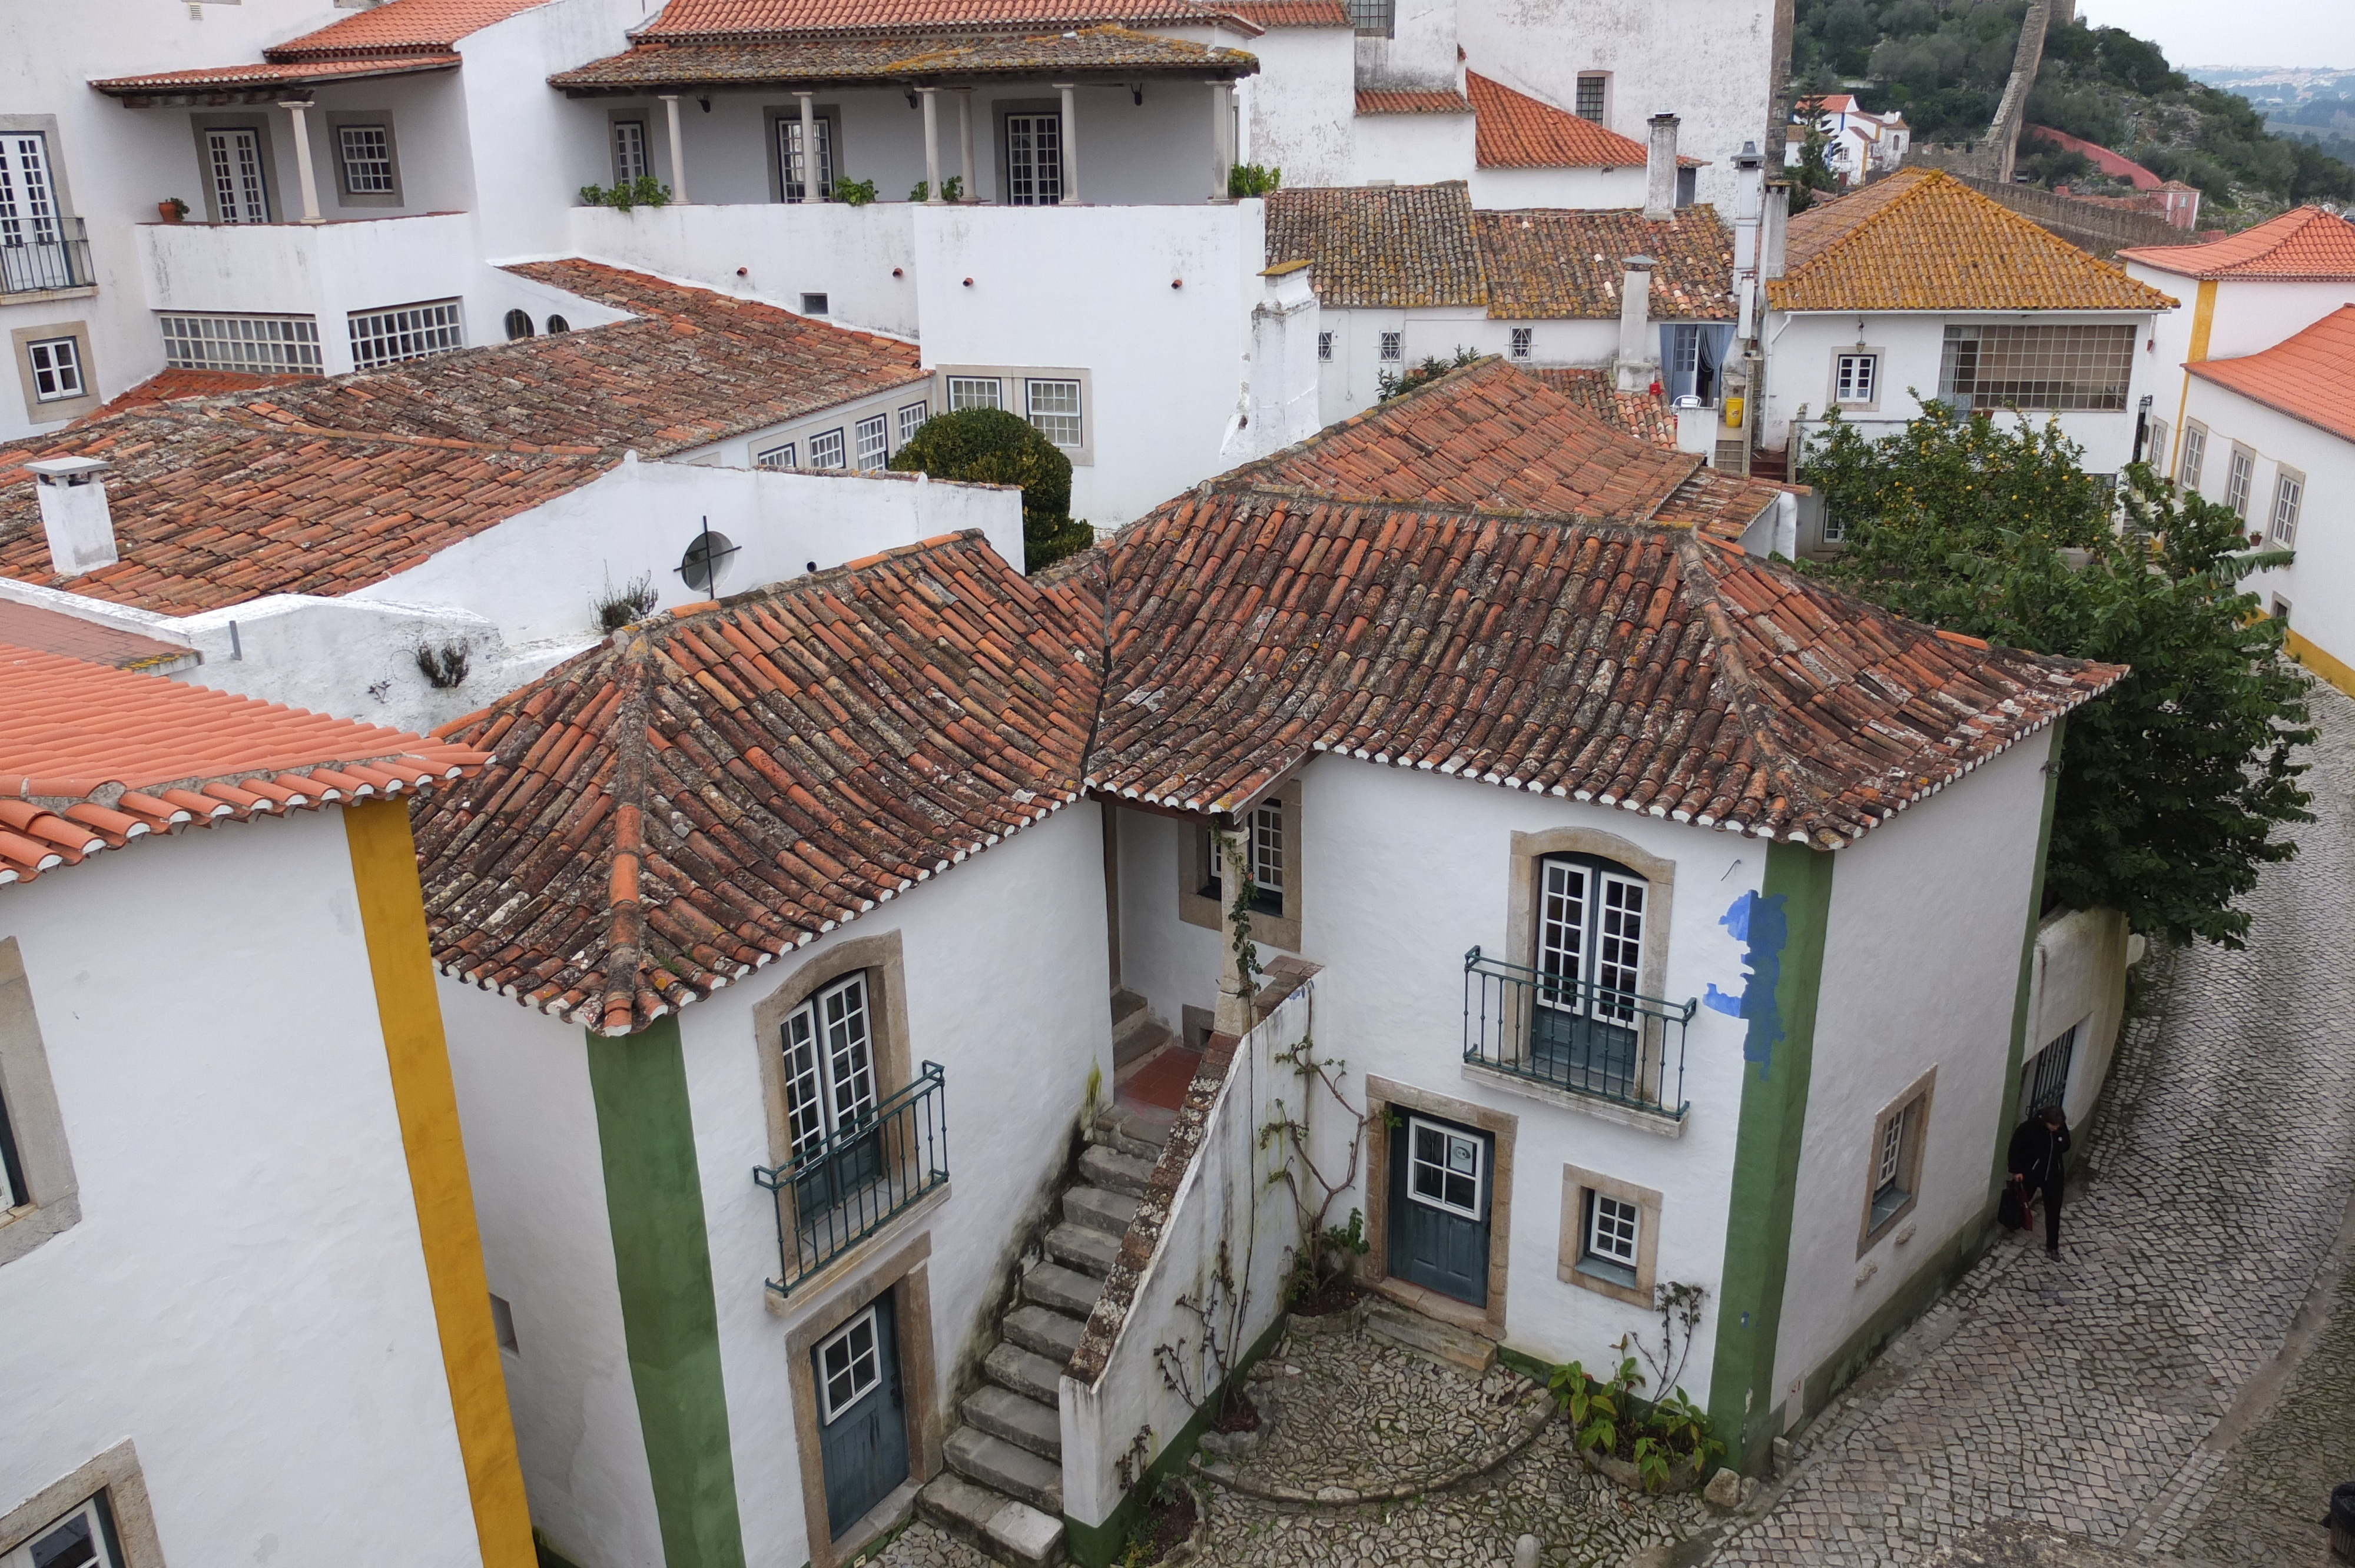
column 706, row 561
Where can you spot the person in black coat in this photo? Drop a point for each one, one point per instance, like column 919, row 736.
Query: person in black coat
column 2038, row 1148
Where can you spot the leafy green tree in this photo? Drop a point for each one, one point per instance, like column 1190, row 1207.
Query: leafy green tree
column 1813, row 171
column 995, row 446
column 2174, row 784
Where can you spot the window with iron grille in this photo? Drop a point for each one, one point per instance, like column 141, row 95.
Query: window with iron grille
column 262, row 345
column 2195, row 448
column 2239, row 476
column 57, row 369
column 405, row 332
column 367, row 154
column 2045, row 368
column 1393, row 345
column 1523, row 337
column 1374, row 18
column 1324, row 346
column 913, row 417
column 974, row 392
column 874, row 436
column 1592, row 85
column 2289, row 492
column 2044, row 1077
column 1054, row 407
column 826, row 451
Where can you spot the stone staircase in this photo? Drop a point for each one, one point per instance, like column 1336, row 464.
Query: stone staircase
column 1442, row 1343
column 1003, row 1491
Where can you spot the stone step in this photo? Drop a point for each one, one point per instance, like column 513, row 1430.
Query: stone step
column 1043, row 1331
column 1430, row 1338
column 1125, row 1005
column 1121, row 1128
column 1001, row 1467
column 992, row 1523
column 1088, row 1250
column 1025, row 1422
column 1138, row 1039
column 1114, row 1171
column 1107, row 1211
column 1031, row 1376
column 1064, row 1289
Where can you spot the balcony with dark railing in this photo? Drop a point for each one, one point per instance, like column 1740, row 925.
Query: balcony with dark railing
column 843, row 1189
column 1591, row 1041
column 35, row 258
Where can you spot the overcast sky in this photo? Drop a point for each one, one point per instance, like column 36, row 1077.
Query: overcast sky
column 2252, row 33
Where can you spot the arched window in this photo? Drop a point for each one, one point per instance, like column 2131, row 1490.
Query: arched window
column 1591, row 927
column 557, row 325
column 519, row 324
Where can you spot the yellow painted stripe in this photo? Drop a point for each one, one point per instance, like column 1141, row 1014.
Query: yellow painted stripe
column 2204, row 317
column 2334, row 671
column 392, row 913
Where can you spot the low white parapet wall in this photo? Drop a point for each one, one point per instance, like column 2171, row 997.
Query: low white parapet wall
column 862, row 259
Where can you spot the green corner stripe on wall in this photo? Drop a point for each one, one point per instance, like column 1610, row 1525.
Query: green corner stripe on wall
column 662, row 1258
column 2018, row 1053
column 1783, row 925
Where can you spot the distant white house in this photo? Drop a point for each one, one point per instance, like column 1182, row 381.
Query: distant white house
column 1862, row 144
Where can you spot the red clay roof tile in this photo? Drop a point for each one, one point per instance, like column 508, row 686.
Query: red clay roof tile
column 2305, row 245
column 703, row 21
column 1517, row 132
column 2309, row 375
column 901, row 58
column 1413, row 102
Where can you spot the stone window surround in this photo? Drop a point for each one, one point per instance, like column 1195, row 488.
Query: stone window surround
column 47, row 124
column 1383, row 1096
column 116, row 1473
column 1014, row 398
column 337, row 119
column 649, row 116
column 1576, row 1184
column 254, row 120
column 36, row 1122
column 1879, row 357
column 1193, row 872
column 20, row 342
column 2184, row 446
column 1919, row 1093
column 2284, row 474
column 770, row 114
column 1660, row 876
column 904, row 1273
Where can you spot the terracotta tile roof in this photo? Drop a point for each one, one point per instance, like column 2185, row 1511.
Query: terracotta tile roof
column 1922, row 240
column 719, row 785
column 827, row 60
column 93, row 757
column 1380, row 245
column 1634, row 666
column 2305, row 245
column 42, row 630
column 1552, row 263
column 2309, row 375
column 275, row 73
column 401, row 26
column 1413, row 104
column 1639, row 414
column 171, row 386
column 704, row 21
column 1517, row 132
column 1267, row 13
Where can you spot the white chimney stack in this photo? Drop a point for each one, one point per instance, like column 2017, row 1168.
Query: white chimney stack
column 1749, row 210
column 1775, row 229
column 1660, row 169
column 74, row 514
column 1638, row 364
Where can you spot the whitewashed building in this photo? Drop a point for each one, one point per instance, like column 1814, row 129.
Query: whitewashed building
column 1862, row 144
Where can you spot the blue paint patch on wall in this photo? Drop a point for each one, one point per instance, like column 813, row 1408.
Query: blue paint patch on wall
column 1763, row 925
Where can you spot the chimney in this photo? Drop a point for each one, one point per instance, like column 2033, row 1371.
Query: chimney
column 1749, row 208
column 1638, row 364
column 1660, row 169
column 74, row 514
column 1774, row 226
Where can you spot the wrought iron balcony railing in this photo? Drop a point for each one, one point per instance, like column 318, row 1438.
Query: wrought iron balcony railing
column 1575, row 1035
column 842, row 1190
column 53, row 255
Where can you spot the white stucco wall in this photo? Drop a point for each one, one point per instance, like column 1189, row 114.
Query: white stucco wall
column 1949, row 877
column 1410, row 149
column 1588, row 187
column 1421, row 54
column 861, row 257
column 525, row 168
column 2245, row 317
column 1350, row 381
column 2077, row 980
column 1297, row 111
column 245, row 1296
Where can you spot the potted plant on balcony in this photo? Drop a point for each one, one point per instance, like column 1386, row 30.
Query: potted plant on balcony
column 172, row 209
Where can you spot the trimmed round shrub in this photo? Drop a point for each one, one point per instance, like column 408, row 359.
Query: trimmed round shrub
column 994, row 447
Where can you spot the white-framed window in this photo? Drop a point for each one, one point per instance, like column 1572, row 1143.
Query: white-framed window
column 28, row 206
column 2195, row 450
column 82, row 1539
column 365, row 152
column 1894, row 1160
column 262, row 345
column 2041, row 368
column 2154, row 452
column 1262, row 844
column 2289, row 495
column 57, row 369
column 826, row 451
column 1324, row 346
column 1855, row 378
column 780, row 456
column 1523, row 340
column 974, row 392
column 874, row 437
column 1610, row 1233
column 1591, row 915
column 1054, row 408
column 829, row 1046
column 2240, row 476
column 1612, row 1226
column 913, row 417
column 1034, row 160
column 850, row 1365
column 1445, row 1168
column 240, row 185
column 1593, row 88
column 629, row 164
column 1394, row 346
column 789, row 156
column 406, row 331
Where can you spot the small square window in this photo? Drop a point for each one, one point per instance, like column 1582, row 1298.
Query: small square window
column 812, row 304
column 1893, row 1162
column 778, row 457
column 826, row 451
column 1392, row 346
column 1522, row 339
column 974, row 392
column 82, row 1539
column 1445, row 1168
column 874, row 441
column 1610, row 1230
column 57, row 369
column 367, row 154
column 1055, row 410
column 913, row 417
column 1591, row 88
column 1855, row 378
column 2281, row 609
column 503, row 1324
column 850, row 1365
column 1324, row 346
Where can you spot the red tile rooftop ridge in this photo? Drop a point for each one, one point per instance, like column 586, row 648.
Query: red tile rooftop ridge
column 2308, row 376
column 714, row 21
column 2305, row 245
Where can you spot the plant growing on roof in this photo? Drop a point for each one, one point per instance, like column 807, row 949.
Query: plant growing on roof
column 995, row 446
column 443, row 667
column 633, row 600
column 1397, row 384
column 1253, row 180
column 625, row 195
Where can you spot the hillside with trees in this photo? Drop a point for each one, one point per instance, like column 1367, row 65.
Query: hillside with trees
column 1944, row 65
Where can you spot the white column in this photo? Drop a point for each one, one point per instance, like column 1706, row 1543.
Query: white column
column 302, row 160
column 965, row 140
column 1219, row 122
column 809, row 147
column 1070, row 147
column 678, row 149
column 932, row 197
